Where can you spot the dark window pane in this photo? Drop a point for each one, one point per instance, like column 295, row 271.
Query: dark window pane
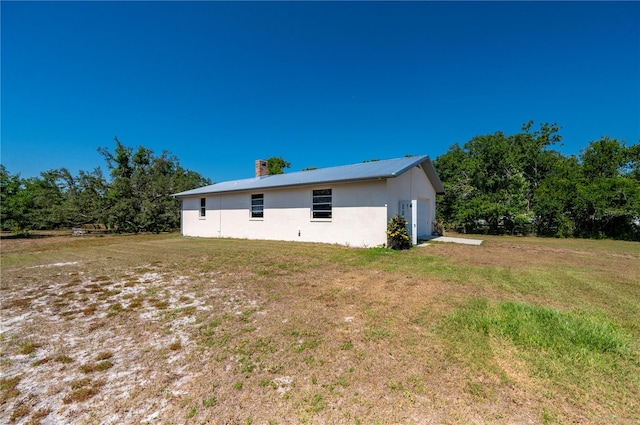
column 322, row 214
column 321, row 199
column 322, row 203
column 257, row 205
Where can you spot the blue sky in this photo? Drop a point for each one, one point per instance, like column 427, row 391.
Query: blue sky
column 220, row 84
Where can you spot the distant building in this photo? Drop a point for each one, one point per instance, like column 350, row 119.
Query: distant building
column 347, row 205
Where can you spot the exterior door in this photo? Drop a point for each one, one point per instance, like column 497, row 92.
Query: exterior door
column 405, row 210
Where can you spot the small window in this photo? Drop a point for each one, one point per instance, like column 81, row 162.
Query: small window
column 257, row 206
column 321, row 203
column 203, row 207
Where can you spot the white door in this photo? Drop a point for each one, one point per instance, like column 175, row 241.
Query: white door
column 405, row 210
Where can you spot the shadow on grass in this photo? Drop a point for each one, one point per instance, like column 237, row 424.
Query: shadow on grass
column 25, row 235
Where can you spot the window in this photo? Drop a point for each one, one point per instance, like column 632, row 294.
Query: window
column 257, row 206
column 321, row 203
column 203, row 207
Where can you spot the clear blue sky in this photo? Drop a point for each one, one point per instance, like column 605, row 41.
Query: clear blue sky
column 319, row 83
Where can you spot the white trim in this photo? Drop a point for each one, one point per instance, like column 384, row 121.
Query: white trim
column 414, row 221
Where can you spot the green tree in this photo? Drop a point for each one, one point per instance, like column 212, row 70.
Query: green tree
column 604, row 158
column 276, row 165
column 11, row 212
column 491, row 181
column 607, row 201
column 554, row 199
column 633, row 165
column 138, row 198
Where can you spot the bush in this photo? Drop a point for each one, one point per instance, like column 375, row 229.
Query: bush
column 397, row 233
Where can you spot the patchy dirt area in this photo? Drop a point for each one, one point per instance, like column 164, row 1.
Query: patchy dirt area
column 78, row 346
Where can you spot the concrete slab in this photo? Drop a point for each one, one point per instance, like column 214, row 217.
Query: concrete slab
column 464, row 241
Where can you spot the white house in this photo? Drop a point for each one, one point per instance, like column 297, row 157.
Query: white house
column 348, row 205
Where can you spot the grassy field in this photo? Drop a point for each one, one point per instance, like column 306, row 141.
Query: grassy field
column 171, row 330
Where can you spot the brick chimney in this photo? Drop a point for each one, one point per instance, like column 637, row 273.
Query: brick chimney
column 261, row 168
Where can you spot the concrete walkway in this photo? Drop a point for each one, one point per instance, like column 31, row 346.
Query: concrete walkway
column 456, row 240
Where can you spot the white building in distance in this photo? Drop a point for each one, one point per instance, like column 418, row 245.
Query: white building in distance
column 347, row 205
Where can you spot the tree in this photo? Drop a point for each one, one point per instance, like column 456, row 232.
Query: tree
column 633, row 166
column 89, row 203
column 604, row 158
column 276, row 165
column 138, row 198
column 607, row 201
column 555, row 197
column 501, row 183
column 491, row 180
column 11, row 212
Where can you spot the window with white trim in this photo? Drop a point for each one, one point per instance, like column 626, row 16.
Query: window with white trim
column 257, row 205
column 203, row 207
column 321, row 204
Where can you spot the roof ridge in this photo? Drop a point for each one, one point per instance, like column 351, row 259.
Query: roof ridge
column 376, row 161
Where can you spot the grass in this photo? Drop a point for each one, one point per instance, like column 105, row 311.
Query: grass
column 518, row 330
column 8, row 388
column 29, row 347
column 574, row 350
column 82, row 390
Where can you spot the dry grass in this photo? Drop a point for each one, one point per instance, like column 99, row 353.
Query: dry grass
column 175, row 330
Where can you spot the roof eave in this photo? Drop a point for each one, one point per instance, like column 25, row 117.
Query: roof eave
column 432, row 175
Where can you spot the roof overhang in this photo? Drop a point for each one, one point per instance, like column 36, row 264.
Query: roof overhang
column 334, row 175
column 432, row 175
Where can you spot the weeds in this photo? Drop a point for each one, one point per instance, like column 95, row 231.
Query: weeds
column 82, row 390
column 89, row 310
column 39, row 414
column 96, row 367
column 20, row 411
column 8, row 388
column 17, row 303
column 63, row 359
column 377, row 334
column 346, row 346
column 192, row 412
column 316, row 403
column 28, row 347
column 114, row 309
column 104, row 355
column 210, row 402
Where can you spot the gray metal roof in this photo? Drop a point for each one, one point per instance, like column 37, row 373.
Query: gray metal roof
column 346, row 173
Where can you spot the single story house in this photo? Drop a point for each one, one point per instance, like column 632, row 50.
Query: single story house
column 347, row 205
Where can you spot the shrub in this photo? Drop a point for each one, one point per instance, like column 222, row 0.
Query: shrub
column 397, row 233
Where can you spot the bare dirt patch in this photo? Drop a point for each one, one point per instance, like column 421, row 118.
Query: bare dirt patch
column 71, row 344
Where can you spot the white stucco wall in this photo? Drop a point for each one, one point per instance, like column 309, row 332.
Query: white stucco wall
column 359, row 215
column 413, row 185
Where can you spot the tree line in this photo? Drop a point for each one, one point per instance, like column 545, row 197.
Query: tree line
column 519, row 184
column 495, row 183
column 136, row 197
